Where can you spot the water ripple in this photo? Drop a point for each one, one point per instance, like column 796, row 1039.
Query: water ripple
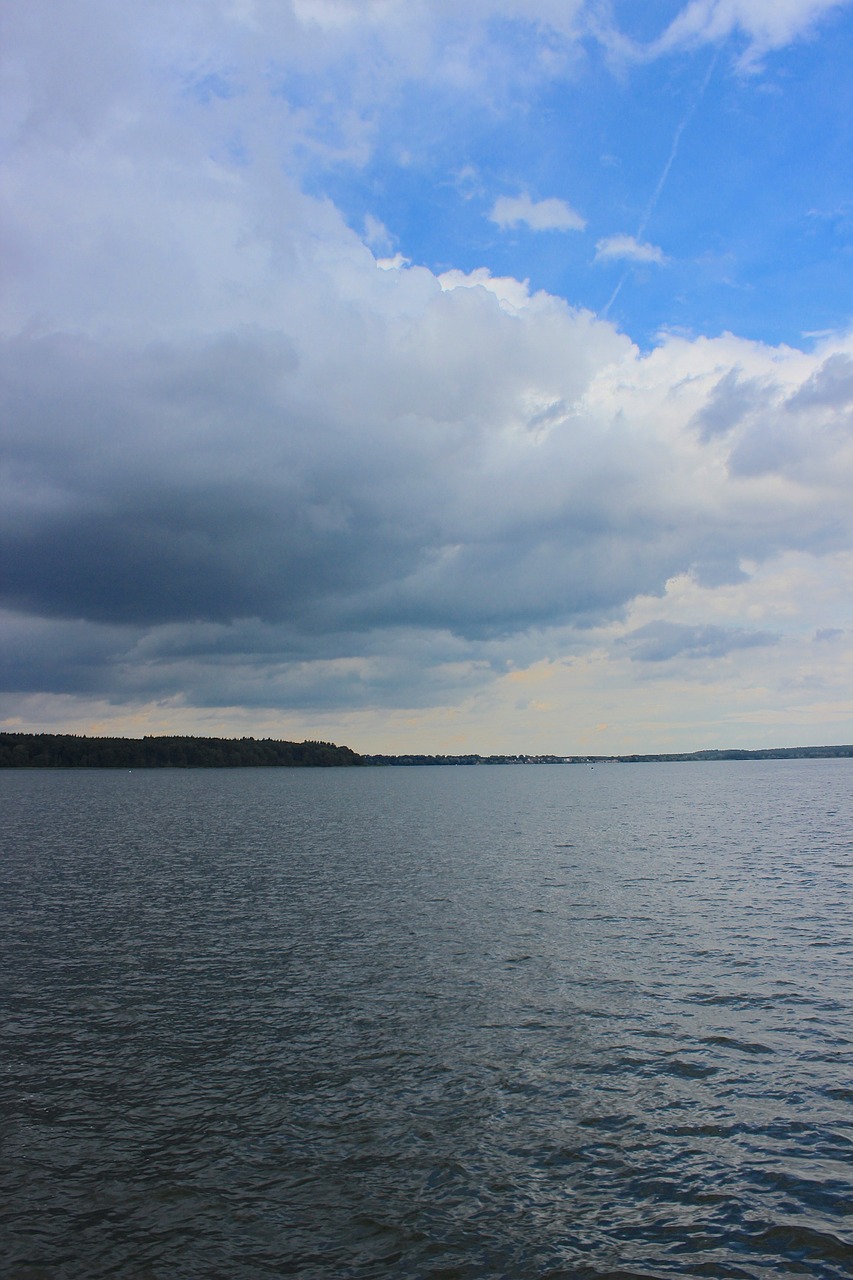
column 372, row 1023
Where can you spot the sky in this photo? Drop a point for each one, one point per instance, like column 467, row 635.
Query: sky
column 428, row 377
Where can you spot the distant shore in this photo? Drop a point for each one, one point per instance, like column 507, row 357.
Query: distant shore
column 764, row 753
column 77, row 751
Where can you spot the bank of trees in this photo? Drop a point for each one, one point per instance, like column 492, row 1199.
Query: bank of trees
column 74, row 751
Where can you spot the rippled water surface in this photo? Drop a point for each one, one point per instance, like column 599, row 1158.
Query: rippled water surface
column 428, row 1022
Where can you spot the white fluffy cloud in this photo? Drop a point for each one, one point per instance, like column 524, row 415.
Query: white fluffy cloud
column 628, row 249
column 538, row 215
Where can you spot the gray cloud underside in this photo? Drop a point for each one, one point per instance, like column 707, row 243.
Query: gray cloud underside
column 192, row 483
column 246, row 664
column 203, row 518
column 799, row 434
column 661, row 641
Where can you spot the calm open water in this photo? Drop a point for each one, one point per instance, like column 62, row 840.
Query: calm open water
column 444, row 1023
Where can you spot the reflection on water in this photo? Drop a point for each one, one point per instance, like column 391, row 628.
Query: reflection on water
column 460, row 1023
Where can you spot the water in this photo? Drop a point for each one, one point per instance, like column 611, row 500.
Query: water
column 437, row 1023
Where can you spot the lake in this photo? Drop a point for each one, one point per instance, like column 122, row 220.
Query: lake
column 434, row 1023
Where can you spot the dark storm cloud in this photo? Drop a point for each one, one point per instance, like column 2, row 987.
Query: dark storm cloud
column 65, row 657
column 211, row 515
column 189, row 484
column 173, row 484
column 249, row 664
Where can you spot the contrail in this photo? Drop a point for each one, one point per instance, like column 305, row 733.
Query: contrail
column 661, row 182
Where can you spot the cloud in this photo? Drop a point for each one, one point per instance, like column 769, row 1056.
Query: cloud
column 537, row 215
column 801, row 432
column 512, row 294
column 766, row 24
column 830, row 386
column 377, row 235
column 662, row 641
column 731, row 400
column 244, row 463
column 296, row 463
column 418, row 466
column 628, row 248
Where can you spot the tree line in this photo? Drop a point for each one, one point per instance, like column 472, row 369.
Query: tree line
column 77, row 751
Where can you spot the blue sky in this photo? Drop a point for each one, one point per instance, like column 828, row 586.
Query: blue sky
column 429, row 377
column 753, row 216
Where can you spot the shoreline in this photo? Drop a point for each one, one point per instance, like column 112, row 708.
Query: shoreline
column 78, row 751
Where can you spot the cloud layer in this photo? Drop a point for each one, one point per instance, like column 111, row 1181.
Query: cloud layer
column 246, row 464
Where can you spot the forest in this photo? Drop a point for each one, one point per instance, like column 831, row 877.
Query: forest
column 77, row 751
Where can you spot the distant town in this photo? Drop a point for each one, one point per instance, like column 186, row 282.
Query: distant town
column 769, row 753
column 77, row 751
